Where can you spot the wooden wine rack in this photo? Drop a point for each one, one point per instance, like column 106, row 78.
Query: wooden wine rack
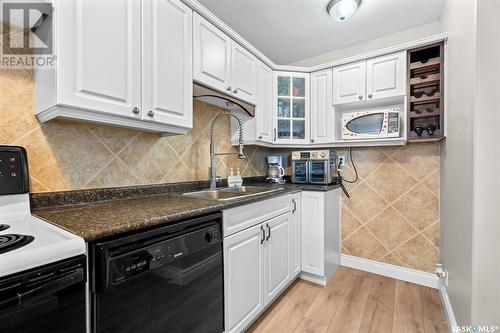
column 425, row 93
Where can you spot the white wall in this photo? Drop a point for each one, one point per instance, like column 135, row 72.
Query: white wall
column 459, row 20
column 374, row 44
column 486, row 230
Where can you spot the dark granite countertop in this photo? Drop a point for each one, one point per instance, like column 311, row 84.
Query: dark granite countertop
column 103, row 213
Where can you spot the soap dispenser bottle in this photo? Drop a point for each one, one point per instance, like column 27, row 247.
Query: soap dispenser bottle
column 231, row 179
column 239, row 180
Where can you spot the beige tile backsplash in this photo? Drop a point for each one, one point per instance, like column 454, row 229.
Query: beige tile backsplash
column 392, row 216
column 393, row 213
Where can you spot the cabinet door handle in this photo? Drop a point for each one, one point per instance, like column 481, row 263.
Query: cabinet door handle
column 263, row 234
column 294, row 206
column 360, row 97
column 136, row 110
column 260, row 137
column 275, row 134
column 151, row 113
column 235, row 91
column 370, row 95
column 268, row 232
column 312, row 140
column 228, row 88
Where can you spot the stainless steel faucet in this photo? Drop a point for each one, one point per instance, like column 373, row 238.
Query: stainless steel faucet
column 241, row 155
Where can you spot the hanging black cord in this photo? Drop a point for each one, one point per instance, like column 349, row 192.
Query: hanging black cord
column 342, row 179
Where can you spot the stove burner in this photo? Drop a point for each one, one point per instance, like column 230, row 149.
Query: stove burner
column 4, row 227
column 11, row 242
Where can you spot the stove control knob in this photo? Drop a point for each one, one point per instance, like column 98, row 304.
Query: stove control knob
column 209, row 237
column 323, row 155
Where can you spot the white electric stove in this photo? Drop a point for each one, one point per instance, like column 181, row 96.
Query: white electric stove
column 27, row 242
column 42, row 267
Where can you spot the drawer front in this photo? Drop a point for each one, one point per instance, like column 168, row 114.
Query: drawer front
column 240, row 218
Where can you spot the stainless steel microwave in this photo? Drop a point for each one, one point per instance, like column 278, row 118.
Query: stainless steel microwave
column 372, row 124
column 314, row 167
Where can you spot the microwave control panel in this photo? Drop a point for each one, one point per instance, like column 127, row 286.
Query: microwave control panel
column 312, row 155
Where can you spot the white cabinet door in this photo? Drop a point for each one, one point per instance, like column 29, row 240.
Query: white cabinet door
column 295, row 246
column 386, row 76
column 264, row 107
column 167, row 89
column 243, row 283
column 321, row 107
column 312, row 233
column 212, row 52
column 291, row 108
column 99, row 56
column 243, row 74
column 277, row 255
column 349, row 83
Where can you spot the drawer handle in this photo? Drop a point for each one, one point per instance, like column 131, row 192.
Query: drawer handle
column 294, row 206
column 263, row 234
column 269, row 232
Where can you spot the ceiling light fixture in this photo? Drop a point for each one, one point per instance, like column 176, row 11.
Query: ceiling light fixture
column 341, row 10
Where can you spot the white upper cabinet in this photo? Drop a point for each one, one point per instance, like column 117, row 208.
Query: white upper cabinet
column 120, row 64
column 386, row 76
column 243, row 73
column 349, row 83
column 264, row 108
column 99, row 56
column 212, row 53
column 321, row 107
column 167, row 71
column 291, row 108
column 223, row 64
column 379, row 77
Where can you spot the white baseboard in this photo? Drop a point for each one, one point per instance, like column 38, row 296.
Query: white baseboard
column 448, row 310
column 392, row 271
column 313, row 278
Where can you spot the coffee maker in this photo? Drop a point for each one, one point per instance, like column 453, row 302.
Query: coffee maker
column 275, row 171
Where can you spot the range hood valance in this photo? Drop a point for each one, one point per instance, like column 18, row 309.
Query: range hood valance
column 214, row 97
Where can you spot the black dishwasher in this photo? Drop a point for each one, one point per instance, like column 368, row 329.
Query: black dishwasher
column 168, row 279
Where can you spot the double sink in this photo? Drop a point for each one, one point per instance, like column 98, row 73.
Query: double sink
column 231, row 193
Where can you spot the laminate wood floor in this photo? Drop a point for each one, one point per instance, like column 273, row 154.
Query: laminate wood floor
column 355, row 301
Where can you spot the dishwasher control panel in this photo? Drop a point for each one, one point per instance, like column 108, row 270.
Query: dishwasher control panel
column 162, row 254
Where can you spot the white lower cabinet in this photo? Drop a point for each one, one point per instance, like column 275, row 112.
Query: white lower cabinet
column 243, row 277
column 264, row 253
column 258, row 265
column 295, row 243
column 277, row 256
column 320, row 235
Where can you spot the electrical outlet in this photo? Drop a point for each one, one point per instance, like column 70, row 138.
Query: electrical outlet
column 341, row 160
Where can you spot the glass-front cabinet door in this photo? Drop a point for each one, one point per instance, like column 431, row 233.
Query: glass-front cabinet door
column 291, row 107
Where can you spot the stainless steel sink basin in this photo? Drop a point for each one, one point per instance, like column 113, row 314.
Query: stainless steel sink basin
column 230, row 193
